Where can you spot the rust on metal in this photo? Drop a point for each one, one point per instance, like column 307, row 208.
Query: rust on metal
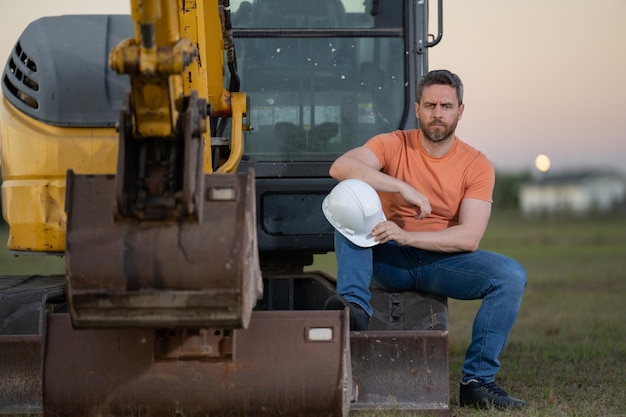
column 122, row 272
column 408, row 310
column 193, row 344
column 20, row 374
column 291, row 363
column 161, row 177
column 401, row 370
column 24, row 305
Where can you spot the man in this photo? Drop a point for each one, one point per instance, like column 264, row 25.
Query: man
column 436, row 193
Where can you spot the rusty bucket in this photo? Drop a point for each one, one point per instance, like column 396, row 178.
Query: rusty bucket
column 185, row 272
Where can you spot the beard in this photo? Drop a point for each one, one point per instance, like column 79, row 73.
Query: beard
column 439, row 131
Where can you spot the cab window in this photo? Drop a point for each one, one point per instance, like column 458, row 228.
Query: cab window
column 322, row 76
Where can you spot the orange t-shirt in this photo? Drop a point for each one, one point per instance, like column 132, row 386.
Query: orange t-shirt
column 463, row 172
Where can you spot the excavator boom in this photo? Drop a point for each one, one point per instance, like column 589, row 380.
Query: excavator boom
column 154, row 224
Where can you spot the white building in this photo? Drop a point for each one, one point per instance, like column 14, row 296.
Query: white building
column 576, row 193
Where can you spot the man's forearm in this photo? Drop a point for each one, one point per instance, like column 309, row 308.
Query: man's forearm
column 452, row 239
column 350, row 167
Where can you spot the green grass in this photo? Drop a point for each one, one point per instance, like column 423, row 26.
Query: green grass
column 567, row 352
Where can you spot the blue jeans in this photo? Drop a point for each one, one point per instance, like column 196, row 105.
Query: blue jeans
column 496, row 279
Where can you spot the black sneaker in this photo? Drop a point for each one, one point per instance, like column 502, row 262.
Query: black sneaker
column 359, row 319
column 475, row 394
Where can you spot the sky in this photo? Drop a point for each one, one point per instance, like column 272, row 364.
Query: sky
column 541, row 76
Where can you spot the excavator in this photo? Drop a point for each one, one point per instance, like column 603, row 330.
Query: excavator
column 177, row 159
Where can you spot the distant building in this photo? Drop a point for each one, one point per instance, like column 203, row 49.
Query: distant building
column 575, row 193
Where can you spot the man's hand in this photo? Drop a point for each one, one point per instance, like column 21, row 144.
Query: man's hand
column 388, row 230
column 416, row 199
column 462, row 237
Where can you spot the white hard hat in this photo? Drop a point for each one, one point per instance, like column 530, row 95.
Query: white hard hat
column 353, row 208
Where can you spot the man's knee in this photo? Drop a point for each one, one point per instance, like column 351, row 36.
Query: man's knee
column 515, row 275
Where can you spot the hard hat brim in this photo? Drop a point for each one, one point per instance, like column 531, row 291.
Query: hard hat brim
column 364, row 241
column 361, row 241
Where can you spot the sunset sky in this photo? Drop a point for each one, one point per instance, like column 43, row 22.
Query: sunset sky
column 541, row 76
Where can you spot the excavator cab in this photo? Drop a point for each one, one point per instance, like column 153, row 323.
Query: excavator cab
column 180, row 171
column 322, row 78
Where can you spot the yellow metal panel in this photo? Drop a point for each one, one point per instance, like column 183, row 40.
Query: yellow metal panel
column 201, row 23
column 35, row 211
column 35, row 158
column 239, row 108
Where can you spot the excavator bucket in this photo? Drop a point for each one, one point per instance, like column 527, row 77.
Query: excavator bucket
column 184, row 272
column 286, row 363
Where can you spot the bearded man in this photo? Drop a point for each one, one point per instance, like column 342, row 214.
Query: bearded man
column 436, row 193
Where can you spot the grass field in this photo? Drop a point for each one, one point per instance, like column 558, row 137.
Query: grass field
column 567, row 352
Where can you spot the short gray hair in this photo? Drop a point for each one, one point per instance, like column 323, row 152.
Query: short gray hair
column 440, row 77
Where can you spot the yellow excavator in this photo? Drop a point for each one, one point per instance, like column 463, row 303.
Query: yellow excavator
column 186, row 289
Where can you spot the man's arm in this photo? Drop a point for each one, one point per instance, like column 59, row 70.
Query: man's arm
column 362, row 164
column 464, row 237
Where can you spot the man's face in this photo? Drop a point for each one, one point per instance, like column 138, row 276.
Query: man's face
column 438, row 112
